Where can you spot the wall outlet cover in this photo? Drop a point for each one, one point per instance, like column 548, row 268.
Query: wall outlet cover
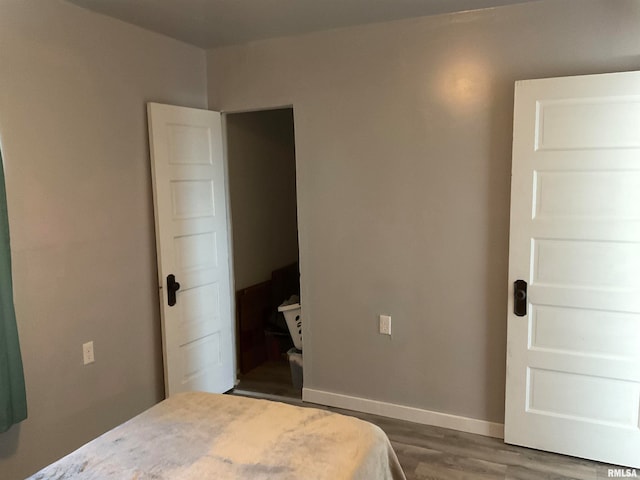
column 385, row 324
column 87, row 353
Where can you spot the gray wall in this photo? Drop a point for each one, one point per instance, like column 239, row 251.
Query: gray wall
column 73, row 87
column 403, row 145
column 262, row 189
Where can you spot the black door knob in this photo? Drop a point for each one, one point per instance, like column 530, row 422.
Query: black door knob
column 520, row 298
column 172, row 288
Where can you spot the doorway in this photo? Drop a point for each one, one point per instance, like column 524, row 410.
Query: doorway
column 262, row 193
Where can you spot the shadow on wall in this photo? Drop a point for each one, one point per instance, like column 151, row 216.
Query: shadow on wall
column 9, row 441
column 501, row 121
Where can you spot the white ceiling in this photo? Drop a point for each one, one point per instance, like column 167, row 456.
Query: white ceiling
column 212, row 23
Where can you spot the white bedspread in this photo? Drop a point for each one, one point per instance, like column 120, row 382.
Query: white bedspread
column 206, row 436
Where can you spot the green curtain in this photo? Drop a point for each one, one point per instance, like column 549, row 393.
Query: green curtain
column 13, row 398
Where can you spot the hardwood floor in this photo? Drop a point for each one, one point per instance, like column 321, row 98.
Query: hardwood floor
column 270, row 378
column 433, row 453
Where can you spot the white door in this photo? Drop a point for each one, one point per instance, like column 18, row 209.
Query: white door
column 573, row 359
column 192, row 245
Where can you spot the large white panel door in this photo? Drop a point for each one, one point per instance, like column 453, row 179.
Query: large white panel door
column 573, row 359
column 192, row 243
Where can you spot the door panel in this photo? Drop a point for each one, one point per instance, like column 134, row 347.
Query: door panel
column 191, row 233
column 573, row 362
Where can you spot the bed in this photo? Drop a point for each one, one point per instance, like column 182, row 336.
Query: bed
column 208, row 436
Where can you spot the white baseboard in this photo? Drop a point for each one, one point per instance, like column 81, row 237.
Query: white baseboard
column 401, row 412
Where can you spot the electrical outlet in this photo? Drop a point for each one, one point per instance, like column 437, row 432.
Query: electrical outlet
column 385, row 324
column 87, row 353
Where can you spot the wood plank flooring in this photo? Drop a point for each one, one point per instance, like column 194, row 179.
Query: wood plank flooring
column 270, row 378
column 433, row 453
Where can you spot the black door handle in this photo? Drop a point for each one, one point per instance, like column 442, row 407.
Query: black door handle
column 172, row 288
column 520, row 298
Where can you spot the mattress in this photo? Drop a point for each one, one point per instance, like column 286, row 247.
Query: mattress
column 208, row 436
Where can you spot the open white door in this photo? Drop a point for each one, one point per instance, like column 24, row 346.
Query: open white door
column 191, row 235
column 573, row 358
